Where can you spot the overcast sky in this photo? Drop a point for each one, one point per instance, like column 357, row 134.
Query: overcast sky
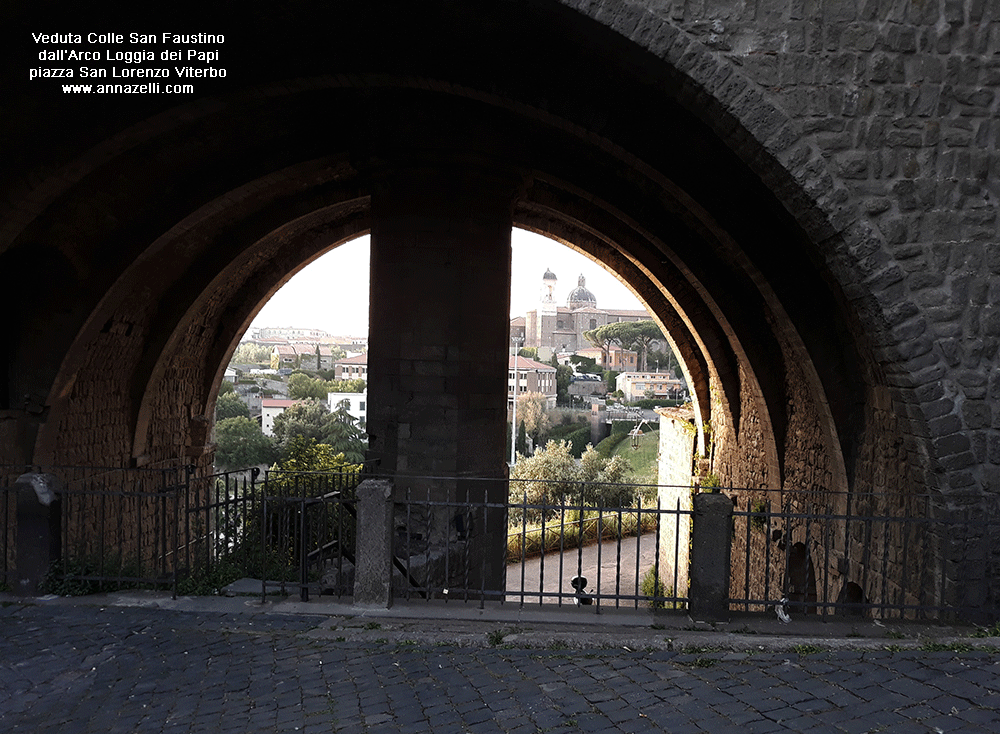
column 332, row 293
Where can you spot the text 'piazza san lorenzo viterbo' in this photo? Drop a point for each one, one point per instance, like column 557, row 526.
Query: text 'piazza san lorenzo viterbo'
column 128, row 56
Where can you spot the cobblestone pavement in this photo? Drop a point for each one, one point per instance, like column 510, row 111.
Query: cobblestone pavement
column 83, row 668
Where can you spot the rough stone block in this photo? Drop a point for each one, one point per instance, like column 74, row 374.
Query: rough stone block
column 373, row 579
column 710, row 557
column 38, row 529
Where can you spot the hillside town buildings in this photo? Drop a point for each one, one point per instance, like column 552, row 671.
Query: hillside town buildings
column 270, row 409
column 302, row 356
column 526, row 376
column 351, row 368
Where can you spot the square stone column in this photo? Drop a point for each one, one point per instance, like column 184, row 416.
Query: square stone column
column 438, row 345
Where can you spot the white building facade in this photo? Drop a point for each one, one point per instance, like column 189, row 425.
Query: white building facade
column 271, row 408
column 641, row 385
column 357, row 404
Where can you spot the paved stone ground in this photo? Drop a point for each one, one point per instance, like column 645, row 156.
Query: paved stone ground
column 221, row 667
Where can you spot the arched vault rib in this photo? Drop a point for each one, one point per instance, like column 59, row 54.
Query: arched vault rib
column 704, row 317
column 687, row 344
column 204, row 273
column 629, row 189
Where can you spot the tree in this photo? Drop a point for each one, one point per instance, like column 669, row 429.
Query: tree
column 663, row 360
column 229, row 405
column 302, row 387
column 528, row 352
column 353, row 385
column 552, row 477
column 564, row 375
column 600, row 340
column 306, row 454
column 605, row 337
column 586, row 365
column 305, row 419
column 239, row 443
column 248, row 353
column 638, row 336
column 544, row 478
column 531, row 409
column 310, row 419
column 597, row 468
column 226, row 387
column 611, row 380
column 345, row 435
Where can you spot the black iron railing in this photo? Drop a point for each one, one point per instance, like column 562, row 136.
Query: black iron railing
column 515, row 542
column 552, row 552
column 858, row 555
column 309, row 531
column 117, row 528
column 281, row 529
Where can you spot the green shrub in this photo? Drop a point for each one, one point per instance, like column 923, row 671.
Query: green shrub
column 608, row 445
column 65, row 577
column 578, row 441
column 652, row 587
column 622, row 427
column 710, row 484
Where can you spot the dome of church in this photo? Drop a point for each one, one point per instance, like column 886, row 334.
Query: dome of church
column 580, row 297
column 549, row 275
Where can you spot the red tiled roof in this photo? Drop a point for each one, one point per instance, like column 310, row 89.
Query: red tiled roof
column 359, row 359
column 277, row 403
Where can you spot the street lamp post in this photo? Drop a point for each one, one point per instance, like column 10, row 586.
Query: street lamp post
column 516, row 342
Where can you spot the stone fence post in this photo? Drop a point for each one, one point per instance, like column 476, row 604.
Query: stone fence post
column 373, row 550
column 711, row 547
column 39, row 525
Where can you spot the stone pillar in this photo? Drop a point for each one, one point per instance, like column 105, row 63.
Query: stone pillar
column 38, row 529
column 438, row 345
column 373, row 551
column 710, row 557
column 599, row 428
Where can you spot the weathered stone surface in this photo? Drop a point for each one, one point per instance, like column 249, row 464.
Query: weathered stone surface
column 793, row 188
column 710, row 557
column 373, row 577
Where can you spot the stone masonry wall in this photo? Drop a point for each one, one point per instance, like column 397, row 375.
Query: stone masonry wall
column 885, row 113
column 892, row 106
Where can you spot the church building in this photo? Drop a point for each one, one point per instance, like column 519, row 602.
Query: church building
column 559, row 329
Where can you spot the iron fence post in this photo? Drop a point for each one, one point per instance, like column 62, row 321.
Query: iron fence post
column 304, row 550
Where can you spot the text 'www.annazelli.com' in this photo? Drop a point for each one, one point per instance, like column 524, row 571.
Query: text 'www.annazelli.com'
column 155, row 88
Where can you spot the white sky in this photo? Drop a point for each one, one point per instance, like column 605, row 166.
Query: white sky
column 332, row 292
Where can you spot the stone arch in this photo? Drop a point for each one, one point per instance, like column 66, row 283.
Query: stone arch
column 626, row 195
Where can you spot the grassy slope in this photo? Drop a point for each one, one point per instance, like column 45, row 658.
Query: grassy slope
column 643, row 459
